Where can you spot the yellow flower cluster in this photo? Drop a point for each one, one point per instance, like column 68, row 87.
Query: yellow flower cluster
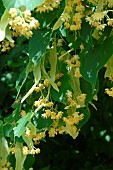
column 110, row 5
column 21, row 23
column 27, row 151
column 39, row 136
column 71, row 130
column 48, row 5
column 69, row 127
column 94, row 2
column 58, row 76
column 76, row 103
column 59, row 43
column 53, row 115
column 23, row 113
column 73, row 119
column 69, row 122
column 42, row 86
column 6, row 45
column 73, row 62
column 13, row 150
column 43, row 102
column 73, row 14
column 7, row 166
column 109, row 91
column 96, row 20
column 55, row 129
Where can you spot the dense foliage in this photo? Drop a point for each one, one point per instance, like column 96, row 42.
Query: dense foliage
column 56, row 84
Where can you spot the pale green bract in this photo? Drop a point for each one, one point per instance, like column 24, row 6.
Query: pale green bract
column 28, row 4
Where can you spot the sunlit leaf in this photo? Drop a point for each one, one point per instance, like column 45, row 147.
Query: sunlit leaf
column 110, row 1
column 46, row 76
column 30, row 5
column 37, row 73
column 57, row 24
column 28, row 141
column 65, row 85
column 53, row 60
column 109, row 68
column 21, row 127
column 8, row 35
column 4, row 151
column 37, row 76
column 3, row 24
column 23, row 76
column 20, row 157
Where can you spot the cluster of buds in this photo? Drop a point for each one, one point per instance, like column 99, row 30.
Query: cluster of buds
column 73, row 14
column 21, row 23
column 7, row 166
column 6, row 45
column 26, row 151
column 109, row 91
column 96, row 20
column 48, row 5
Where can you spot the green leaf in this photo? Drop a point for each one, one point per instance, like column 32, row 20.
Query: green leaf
column 41, row 123
column 38, row 44
column 37, row 76
column 60, row 96
column 93, row 59
column 49, row 18
column 109, row 67
column 8, row 35
column 23, row 76
column 30, row 5
column 14, row 116
column 1, row 129
column 46, row 76
column 37, row 73
column 3, row 24
column 86, row 117
column 86, row 34
column 65, row 85
column 16, row 104
column 110, row 1
column 73, row 39
column 7, row 128
column 20, row 157
column 57, row 24
column 21, row 127
column 28, row 141
column 30, row 159
column 53, row 60
column 4, row 152
column 2, row 9
column 86, row 88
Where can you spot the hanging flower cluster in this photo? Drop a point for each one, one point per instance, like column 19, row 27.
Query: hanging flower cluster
column 21, row 23
column 48, row 5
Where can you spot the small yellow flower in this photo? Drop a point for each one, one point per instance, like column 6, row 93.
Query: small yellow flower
column 46, row 82
column 32, row 152
column 66, row 24
column 65, row 17
column 59, row 83
column 37, row 151
column 69, row 94
column 25, row 150
column 52, row 132
column 13, row 12
column 109, row 91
